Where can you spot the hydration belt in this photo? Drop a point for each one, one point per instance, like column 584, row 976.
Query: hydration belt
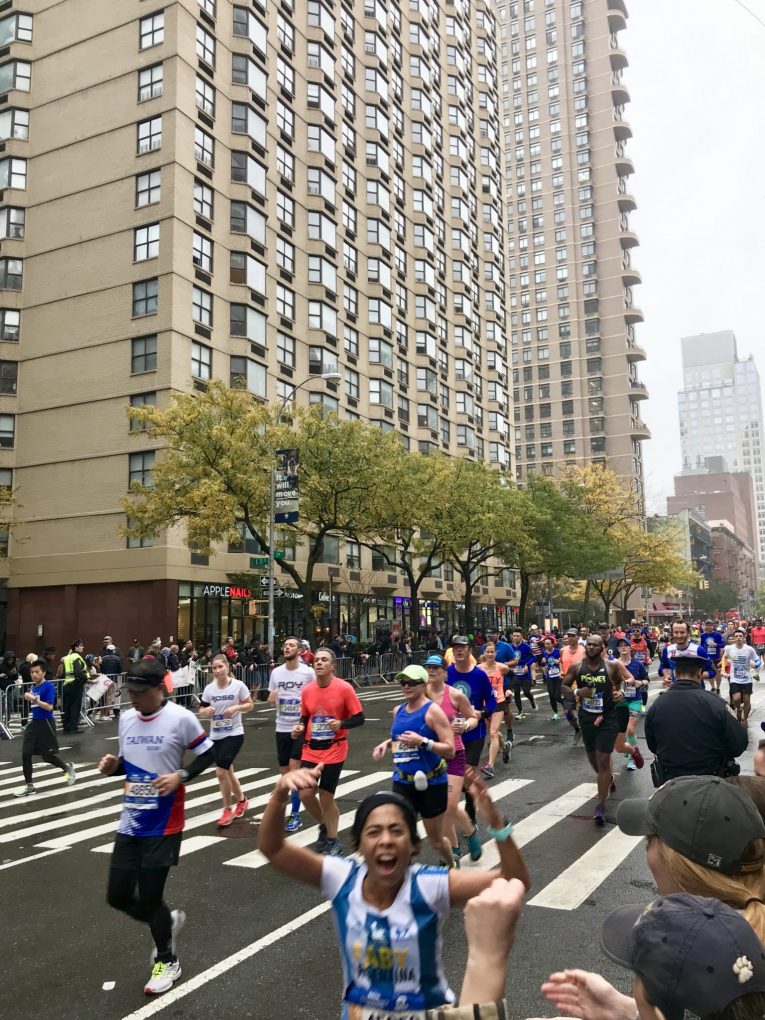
column 403, row 777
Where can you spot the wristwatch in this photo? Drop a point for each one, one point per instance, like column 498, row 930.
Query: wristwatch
column 184, row 774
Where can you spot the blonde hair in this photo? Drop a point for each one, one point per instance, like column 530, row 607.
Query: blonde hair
column 735, row 890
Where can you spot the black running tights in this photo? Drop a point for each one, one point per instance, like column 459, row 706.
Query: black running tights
column 50, row 758
column 525, row 686
column 148, row 906
column 553, row 691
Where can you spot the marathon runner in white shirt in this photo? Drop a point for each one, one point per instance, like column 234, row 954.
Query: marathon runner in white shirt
column 285, row 686
column 742, row 658
column 224, row 702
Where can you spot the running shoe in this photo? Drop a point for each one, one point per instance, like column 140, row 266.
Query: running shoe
column 27, row 791
column 163, row 977
column 637, row 757
column 577, row 737
column 600, row 815
column 241, row 807
column 643, row 710
column 535, row 707
column 506, row 747
column 631, row 766
column 178, row 918
column 293, row 823
column 487, row 770
column 333, row 848
column 456, row 852
column 71, row 774
column 318, row 846
column 226, row 818
column 555, row 717
column 520, row 717
column 474, row 845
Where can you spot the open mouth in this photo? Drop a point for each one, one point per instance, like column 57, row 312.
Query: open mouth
column 386, row 863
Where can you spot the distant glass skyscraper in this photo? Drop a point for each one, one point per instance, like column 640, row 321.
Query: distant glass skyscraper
column 720, row 408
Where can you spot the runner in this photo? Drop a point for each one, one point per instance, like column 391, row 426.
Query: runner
column 713, row 643
column 329, row 708
column 496, row 672
column 741, row 658
column 571, row 653
column 475, row 685
column 421, row 741
column 522, row 664
column 285, row 686
column 551, row 660
column 462, row 718
column 388, row 911
column 225, row 701
column 534, row 641
column 40, row 732
column 633, row 704
column 758, row 640
column 598, row 685
column 153, row 738
column 681, row 642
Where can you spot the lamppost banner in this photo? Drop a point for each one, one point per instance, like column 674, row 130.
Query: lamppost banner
column 286, row 487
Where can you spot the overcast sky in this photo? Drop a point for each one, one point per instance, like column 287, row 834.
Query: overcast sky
column 696, row 77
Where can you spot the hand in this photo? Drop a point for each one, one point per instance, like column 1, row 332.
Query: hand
column 618, row 696
column 584, row 692
column 490, row 922
column 459, row 725
column 108, row 764
column 300, row 779
column 580, row 993
column 230, row 712
column 379, row 752
column 667, row 681
column 297, row 731
column 485, row 807
column 334, row 725
column 167, row 784
column 206, row 713
column 411, row 739
column 30, row 697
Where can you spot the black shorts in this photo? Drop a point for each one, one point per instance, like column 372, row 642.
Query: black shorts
column 226, row 749
column 131, row 853
column 623, row 715
column 40, row 737
column 474, row 750
column 428, row 803
column 740, row 689
column 330, row 776
column 601, row 737
column 287, row 749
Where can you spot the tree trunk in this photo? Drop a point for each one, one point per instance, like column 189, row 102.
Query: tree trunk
column 586, row 601
column 469, row 621
column 414, row 602
column 524, row 598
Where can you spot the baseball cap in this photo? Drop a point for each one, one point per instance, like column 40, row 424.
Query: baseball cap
column 148, row 672
column 435, row 660
column 413, row 672
column 701, row 817
column 694, row 955
column 460, row 639
column 572, row 632
column 690, row 659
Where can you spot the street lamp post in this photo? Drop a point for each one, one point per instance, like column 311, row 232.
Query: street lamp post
column 328, row 376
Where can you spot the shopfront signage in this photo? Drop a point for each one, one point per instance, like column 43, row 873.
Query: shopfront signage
column 225, row 591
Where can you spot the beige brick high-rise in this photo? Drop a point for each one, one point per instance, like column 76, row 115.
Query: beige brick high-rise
column 572, row 306
column 200, row 189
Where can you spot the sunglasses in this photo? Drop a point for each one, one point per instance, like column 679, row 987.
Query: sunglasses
column 410, row 683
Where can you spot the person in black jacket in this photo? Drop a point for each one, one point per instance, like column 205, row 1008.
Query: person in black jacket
column 691, row 732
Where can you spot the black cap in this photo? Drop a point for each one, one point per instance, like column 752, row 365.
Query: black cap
column 701, row 817
column 460, row 639
column 148, row 672
column 694, row 955
column 376, row 800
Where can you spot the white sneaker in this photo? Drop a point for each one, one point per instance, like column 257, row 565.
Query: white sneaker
column 179, row 919
column 163, row 977
column 71, row 774
column 27, row 791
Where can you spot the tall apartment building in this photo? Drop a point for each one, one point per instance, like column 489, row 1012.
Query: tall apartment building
column 254, row 192
column 720, row 410
column 570, row 245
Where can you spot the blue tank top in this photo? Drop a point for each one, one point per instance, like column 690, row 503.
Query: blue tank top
column 408, row 760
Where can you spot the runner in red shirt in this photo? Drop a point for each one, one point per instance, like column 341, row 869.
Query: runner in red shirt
column 329, row 707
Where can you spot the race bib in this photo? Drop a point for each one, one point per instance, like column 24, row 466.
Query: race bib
column 741, row 672
column 289, row 709
column 369, row 1013
column 219, row 724
column 519, row 670
column 320, row 729
column 140, row 794
column 639, row 657
column 553, row 672
column 403, row 754
column 593, row 704
column 630, row 692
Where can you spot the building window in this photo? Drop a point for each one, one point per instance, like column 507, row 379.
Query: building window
column 205, row 94
column 351, row 384
column 285, row 302
column 146, row 242
column 205, row 46
column 149, row 134
column 285, row 350
column 12, row 223
column 16, row 74
column 147, row 188
column 9, row 371
column 11, row 274
column 6, row 478
column 204, row 147
column 203, row 200
column 248, row 374
column 141, row 400
column 14, row 124
column 202, row 252
column 10, row 324
column 246, row 321
column 145, row 296
column 16, row 28
column 151, row 30
column 201, row 361
column 150, row 82
column 7, row 430
column 201, row 306
column 143, row 354
column 140, row 469
column 13, row 173
column 138, row 543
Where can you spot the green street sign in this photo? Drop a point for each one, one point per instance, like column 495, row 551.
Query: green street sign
column 279, row 554
column 258, row 561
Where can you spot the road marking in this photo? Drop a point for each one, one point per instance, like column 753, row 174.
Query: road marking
column 57, row 779
column 11, row 778
column 572, row 886
column 26, row 860
column 60, row 809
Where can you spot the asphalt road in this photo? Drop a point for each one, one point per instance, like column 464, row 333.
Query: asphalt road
column 257, row 944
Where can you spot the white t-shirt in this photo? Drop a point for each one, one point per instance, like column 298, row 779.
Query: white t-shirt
column 235, row 693
column 151, row 746
column 288, row 684
column 741, row 660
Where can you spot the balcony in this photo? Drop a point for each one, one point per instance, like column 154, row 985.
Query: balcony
column 617, row 6
column 624, row 165
column 617, row 21
column 635, row 352
column 629, row 239
column 619, row 91
column 631, row 277
column 639, row 429
column 626, row 202
column 622, row 130
column 633, row 315
column 618, row 58
column 638, row 390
